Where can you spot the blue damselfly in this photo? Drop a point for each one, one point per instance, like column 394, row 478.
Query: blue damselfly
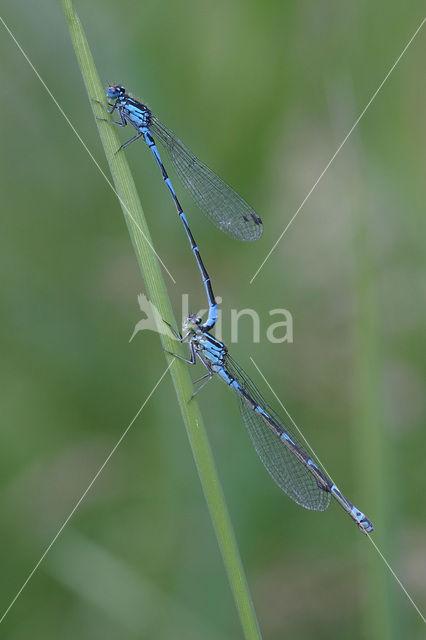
column 222, row 205
column 276, row 444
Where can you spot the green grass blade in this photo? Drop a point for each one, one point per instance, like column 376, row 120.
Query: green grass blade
column 151, row 272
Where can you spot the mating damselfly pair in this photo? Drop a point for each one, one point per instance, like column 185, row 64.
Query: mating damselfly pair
column 278, row 447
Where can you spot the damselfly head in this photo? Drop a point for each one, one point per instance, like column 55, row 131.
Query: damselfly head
column 115, row 91
column 191, row 323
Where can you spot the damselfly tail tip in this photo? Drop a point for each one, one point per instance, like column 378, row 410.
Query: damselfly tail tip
column 366, row 526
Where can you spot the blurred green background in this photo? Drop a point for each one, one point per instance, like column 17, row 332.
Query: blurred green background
column 264, row 93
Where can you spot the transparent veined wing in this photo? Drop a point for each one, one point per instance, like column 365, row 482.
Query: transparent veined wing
column 220, row 203
column 282, row 463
